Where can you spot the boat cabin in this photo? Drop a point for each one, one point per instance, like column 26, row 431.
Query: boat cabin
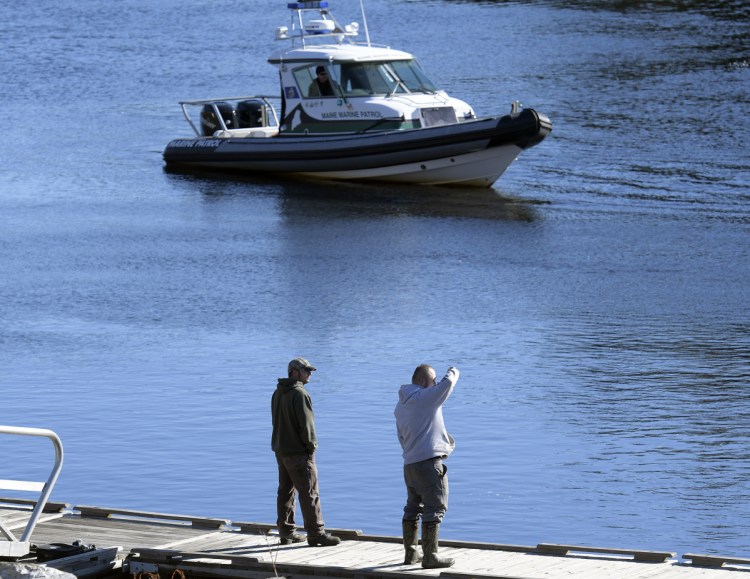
column 330, row 83
column 355, row 88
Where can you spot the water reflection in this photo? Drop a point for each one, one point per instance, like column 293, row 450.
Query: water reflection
column 329, row 198
column 721, row 9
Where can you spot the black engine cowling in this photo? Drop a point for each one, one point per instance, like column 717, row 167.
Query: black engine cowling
column 210, row 124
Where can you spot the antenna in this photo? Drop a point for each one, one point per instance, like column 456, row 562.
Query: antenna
column 364, row 21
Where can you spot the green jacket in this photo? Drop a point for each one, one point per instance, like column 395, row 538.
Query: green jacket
column 293, row 419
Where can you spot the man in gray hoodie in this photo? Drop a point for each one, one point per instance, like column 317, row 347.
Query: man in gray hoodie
column 294, row 442
column 426, row 444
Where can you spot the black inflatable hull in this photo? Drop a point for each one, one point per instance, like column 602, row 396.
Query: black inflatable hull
column 474, row 152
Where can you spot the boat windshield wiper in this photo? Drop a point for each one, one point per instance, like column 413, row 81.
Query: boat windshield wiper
column 396, row 79
column 399, row 83
column 380, row 122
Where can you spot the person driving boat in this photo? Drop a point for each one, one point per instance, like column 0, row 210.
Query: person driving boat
column 321, row 84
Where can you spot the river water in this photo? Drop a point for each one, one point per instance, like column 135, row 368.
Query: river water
column 596, row 300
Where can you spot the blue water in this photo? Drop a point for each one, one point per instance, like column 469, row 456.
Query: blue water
column 595, row 299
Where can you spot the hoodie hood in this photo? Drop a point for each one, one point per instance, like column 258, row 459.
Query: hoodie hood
column 409, row 393
column 287, row 384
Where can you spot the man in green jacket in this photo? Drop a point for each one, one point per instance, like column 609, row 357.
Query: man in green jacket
column 294, row 443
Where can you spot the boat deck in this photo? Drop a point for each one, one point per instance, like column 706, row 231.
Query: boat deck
column 152, row 545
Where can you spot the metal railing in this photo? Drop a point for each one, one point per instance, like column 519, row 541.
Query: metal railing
column 270, row 118
column 10, row 546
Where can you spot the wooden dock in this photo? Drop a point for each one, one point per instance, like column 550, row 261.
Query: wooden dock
column 155, row 545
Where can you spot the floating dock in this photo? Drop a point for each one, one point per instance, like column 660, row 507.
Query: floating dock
column 162, row 546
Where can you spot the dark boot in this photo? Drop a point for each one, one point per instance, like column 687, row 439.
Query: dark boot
column 411, row 537
column 323, row 540
column 430, row 532
column 289, row 539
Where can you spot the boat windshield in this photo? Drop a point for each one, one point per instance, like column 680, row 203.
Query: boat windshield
column 382, row 78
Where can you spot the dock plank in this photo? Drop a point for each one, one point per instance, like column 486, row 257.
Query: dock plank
column 357, row 554
column 15, row 516
column 636, row 554
column 89, row 564
column 29, row 504
column 227, row 550
column 111, row 532
column 224, row 543
column 186, row 542
column 198, row 522
column 716, row 561
column 19, row 523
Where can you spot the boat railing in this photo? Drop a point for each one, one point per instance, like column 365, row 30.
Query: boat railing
column 10, row 546
column 228, row 115
column 311, row 38
column 326, row 26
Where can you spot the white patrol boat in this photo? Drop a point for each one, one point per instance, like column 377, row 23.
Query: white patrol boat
column 352, row 111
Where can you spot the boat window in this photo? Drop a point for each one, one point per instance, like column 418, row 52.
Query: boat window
column 380, row 78
column 360, row 79
column 313, row 84
column 412, row 75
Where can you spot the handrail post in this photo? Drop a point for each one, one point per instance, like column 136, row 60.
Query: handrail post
column 48, row 486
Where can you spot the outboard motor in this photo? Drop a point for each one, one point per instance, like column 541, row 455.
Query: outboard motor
column 210, row 124
column 251, row 113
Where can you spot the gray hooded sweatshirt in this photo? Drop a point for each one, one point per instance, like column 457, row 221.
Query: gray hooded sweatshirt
column 419, row 419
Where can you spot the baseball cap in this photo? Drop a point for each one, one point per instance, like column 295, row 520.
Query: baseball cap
column 302, row 364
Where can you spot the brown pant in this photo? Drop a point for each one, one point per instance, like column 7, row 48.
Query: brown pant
column 298, row 473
